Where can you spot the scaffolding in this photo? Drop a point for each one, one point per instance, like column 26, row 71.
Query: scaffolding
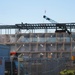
column 24, row 40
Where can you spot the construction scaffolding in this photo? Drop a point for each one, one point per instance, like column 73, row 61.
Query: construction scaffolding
column 47, row 44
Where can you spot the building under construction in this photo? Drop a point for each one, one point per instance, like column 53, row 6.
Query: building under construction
column 60, row 43
column 37, row 49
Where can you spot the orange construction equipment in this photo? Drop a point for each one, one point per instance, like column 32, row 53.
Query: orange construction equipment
column 73, row 58
column 12, row 53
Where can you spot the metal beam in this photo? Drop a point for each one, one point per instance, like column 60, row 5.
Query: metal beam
column 38, row 26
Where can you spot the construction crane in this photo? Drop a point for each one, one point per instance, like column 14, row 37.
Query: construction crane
column 63, row 26
column 49, row 19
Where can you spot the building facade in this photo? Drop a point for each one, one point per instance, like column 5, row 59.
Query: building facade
column 51, row 45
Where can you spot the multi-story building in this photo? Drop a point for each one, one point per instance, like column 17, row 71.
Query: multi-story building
column 41, row 44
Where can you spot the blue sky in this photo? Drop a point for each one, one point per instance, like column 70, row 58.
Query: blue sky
column 32, row 11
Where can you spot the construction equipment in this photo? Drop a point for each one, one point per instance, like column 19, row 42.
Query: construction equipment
column 61, row 26
column 49, row 19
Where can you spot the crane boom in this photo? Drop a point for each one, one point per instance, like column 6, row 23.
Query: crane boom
column 63, row 26
column 49, row 19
